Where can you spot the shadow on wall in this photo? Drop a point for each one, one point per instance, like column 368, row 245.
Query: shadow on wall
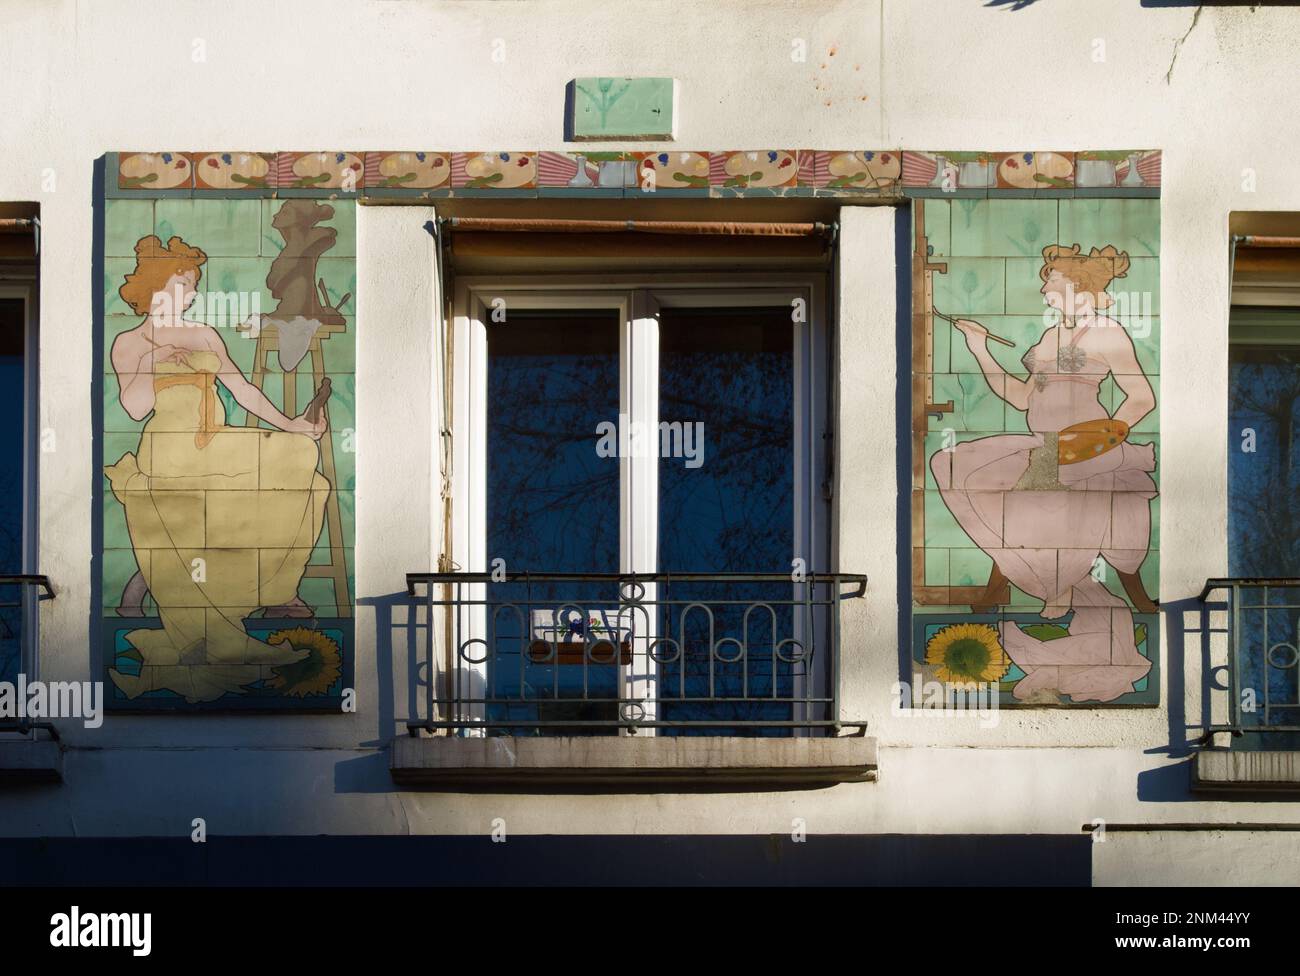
column 1188, row 624
column 389, row 636
column 399, row 630
column 1172, row 783
column 369, row 774
column 827, row 859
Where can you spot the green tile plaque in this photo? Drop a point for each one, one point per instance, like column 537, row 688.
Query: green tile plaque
column 620, row 108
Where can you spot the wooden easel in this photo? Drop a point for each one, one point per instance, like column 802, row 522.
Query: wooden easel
column 923, row 407
column 268, row 344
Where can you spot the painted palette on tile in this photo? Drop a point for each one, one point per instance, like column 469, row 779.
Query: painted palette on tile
column 228, row 470
column 1035, row 441
column 753, row 173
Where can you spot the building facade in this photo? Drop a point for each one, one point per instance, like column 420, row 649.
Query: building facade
column 604, row 471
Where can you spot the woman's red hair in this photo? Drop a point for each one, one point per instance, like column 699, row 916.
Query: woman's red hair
column 154, row 267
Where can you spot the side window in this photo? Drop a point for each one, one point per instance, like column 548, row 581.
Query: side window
column 17, row 556
column 1263, row 470
column 1263, row 442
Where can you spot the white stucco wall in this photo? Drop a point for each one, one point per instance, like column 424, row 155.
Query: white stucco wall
column 82, row 79
column 1236, row 858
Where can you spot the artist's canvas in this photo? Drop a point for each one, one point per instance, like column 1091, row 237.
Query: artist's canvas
column 226, row 451
column 1035, row 459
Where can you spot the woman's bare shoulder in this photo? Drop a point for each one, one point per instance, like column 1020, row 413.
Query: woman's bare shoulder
column 1111, row 334
column 129, row 343
column 207, row 337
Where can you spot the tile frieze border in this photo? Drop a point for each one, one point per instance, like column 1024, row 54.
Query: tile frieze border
column 883, row 174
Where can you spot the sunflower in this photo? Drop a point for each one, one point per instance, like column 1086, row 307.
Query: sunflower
column 314, row 674
column 967, row 652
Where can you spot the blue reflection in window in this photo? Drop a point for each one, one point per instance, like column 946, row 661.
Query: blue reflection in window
column 12, row 468
column 728, row 510
column 1264, row 513
column 552, row 506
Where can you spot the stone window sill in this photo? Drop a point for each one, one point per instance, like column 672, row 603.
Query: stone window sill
column 632, row 762
column 1228, row 770
column 34, row 758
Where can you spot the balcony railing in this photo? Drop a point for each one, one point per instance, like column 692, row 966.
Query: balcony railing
column 1252, row 679
column 593, row 654
column 20, row 632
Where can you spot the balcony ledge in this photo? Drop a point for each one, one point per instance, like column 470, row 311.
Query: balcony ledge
column 632, row 762
column 25, row 759
column 1228, row 770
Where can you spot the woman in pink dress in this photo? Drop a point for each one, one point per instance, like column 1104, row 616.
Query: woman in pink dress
column 1047, row 505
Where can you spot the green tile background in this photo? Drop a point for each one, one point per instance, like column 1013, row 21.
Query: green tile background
column 1003, row 228
column 993, row 248
column 241, row 243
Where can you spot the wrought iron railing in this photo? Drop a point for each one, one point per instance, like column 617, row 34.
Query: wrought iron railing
column 20, row 594
column 1252, row 682
column 591, row 654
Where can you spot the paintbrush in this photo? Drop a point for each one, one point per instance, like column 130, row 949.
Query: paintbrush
column 995, row 338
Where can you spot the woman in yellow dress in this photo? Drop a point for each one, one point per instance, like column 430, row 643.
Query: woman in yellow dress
column 222, row 519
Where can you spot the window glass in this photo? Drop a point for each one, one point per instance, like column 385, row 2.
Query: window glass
column 726, row 505
column 552, row 506
column 12, row 473
column 1264, row 443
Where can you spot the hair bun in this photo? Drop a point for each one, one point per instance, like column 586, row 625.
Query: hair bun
column 148, row 247
column 178, row 248
column 1111, row 252
column 154, row 266
column 1091, row 272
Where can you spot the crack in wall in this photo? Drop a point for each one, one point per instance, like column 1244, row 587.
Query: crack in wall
column 1178, row 44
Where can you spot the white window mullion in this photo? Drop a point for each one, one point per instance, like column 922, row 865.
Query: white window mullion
column 469, row 546
column 641, row 490
column 809, row 451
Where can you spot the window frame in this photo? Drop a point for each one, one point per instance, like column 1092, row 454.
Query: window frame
column 638, row 300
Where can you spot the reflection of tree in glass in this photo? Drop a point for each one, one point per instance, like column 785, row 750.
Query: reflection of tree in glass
column 732, row 514
column 1264, row 510
column 554, row 501
column 12, row 466
column 1264, row 506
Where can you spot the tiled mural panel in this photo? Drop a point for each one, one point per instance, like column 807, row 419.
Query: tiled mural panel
column 1035, row 446
column 229, row 475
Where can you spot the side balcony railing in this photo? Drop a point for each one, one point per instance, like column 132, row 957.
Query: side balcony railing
column 607, row 654
column 20, row 639
column 1251, row 665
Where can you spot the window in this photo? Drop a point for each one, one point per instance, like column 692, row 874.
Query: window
column 669, row 429
column 1258, row 683
column 1264, row 522
column 1264, row 448
column 17, row 478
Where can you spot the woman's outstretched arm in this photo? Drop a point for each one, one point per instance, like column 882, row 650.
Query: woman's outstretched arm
column 254, row 400
column 1012, row 389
